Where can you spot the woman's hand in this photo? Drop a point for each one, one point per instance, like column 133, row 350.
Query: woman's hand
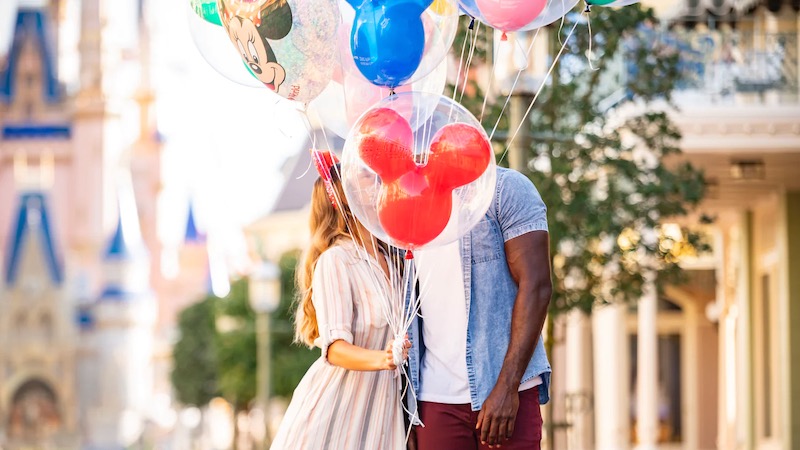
column 387, row 361
column 348, row 356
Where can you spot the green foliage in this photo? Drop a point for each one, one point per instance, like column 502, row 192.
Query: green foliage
column 605, row 159
column 216, row 354
column 290, row 361
column 236, row 346
column 194, row 373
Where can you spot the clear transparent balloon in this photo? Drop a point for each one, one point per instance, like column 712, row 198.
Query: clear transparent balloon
column 440, row 22
column 427, row 115
column 348, row 97
column 215, row 47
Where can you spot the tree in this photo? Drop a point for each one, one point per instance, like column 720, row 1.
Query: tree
column 605, row 158
column 290, row 361
column 608, row 173
column 194, row 372
column 235, row 342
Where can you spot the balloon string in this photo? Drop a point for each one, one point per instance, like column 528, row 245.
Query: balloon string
column 460, row 66
column 312, row 140
column 590, row 54
column 469, row 61
column 563, row 18
column 539, row 91
column 489, row 87
column 461, row 63
column 513, row 86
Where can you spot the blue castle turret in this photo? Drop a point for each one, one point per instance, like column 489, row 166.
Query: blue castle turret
column 124, row 317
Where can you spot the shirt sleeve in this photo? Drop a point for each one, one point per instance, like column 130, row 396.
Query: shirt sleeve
column 520, row 208
column 332, row 297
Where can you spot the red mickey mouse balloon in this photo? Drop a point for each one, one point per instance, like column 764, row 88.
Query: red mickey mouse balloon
column 414, row 202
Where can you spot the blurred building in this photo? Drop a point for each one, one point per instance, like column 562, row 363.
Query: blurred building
column 717, row 357
column 86, row 316
column 285, row 228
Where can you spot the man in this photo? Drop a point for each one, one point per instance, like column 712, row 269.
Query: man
column 477, row 363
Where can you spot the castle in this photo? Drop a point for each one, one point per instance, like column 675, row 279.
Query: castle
column 86, row 316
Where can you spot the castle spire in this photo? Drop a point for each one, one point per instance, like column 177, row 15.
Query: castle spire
column 126, row 260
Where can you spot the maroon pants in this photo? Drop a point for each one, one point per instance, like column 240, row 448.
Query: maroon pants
column 453, row 426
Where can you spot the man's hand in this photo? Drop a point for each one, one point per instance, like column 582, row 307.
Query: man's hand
column 498, row 415
column 412, row 438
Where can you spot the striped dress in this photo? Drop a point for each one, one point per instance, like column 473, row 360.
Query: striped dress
column 335, row 408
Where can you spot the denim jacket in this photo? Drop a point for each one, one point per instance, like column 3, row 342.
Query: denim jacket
column 490, row 291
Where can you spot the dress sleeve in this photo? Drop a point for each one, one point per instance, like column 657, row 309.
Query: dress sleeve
column 333, row 300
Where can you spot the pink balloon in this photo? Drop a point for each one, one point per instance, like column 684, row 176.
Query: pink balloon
column 510, row 15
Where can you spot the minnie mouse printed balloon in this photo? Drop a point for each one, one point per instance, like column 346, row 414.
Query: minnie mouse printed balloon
column 288, row 45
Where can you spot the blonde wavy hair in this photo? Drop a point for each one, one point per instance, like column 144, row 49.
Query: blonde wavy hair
column 328, row 224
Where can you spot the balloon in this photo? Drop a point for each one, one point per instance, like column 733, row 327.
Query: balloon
column 510, row 15
column 388, row 39
column 214, row 46
column 397, row 42
column 345, row 100
column 289, row 45
column 418, row 185
column 618, row 3
column 554, row 10
column 207, row 10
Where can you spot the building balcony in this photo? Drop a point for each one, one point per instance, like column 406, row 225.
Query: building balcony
column 737, row 68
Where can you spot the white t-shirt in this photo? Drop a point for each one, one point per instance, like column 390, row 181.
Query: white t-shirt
column 443, row 369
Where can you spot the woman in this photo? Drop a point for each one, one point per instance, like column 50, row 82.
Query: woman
column 350, row 397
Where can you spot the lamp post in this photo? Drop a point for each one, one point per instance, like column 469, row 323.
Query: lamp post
column 265, row 296
column 513, row 62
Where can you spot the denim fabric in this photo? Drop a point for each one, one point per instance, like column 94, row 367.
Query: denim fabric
column 516, row 209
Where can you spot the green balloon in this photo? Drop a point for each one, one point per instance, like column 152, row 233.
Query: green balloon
column 600, row 2
column 207, row 10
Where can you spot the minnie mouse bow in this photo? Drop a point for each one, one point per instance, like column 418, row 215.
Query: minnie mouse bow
column 324, row 161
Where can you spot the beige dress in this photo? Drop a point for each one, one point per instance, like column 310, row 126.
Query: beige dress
column 335, row 408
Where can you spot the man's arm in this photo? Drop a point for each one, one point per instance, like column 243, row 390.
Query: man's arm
column 528, row 257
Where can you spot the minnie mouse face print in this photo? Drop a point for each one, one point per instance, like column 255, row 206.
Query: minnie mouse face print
column 251, row 28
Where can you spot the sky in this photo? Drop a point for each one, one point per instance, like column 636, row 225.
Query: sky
column 225, row 143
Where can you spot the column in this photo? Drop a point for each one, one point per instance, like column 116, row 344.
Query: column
column 578, row 381
column 789, row 293
column 647, row 367
column 611, row 380
column 745, row 401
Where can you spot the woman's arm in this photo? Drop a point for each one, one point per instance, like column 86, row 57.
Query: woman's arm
column 352, row 357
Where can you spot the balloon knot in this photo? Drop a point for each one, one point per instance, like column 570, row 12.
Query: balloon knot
column 588, row 8
column 391, row 92
column 504, row 37
column 409, row 254
column 472, row 23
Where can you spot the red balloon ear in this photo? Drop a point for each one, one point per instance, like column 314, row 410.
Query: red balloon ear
column 413, row 218
column 386, row 144
column 459, row 155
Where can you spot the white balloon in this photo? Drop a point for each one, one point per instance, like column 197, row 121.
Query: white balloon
column 555, row 10
column 345, row 100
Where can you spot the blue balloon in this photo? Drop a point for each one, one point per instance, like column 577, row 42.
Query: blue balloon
column 388, row 39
